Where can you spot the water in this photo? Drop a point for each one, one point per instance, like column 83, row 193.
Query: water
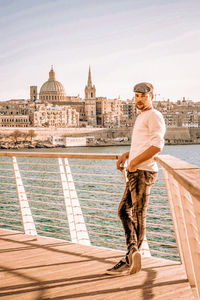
column 189, row 153
column 44, row 191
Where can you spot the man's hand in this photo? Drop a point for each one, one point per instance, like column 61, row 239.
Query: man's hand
column 147, row 154
column 121, row 161
column 132, row 167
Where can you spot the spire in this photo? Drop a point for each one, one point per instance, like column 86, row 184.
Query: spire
column 89, row 78
column 52, row 74
column 90, row 90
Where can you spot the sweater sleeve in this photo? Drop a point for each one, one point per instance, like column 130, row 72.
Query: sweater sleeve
column 157, row 129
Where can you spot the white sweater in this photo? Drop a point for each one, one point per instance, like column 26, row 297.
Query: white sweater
column 149, row 130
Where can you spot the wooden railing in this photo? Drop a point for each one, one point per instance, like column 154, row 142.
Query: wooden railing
column 183, row 186
column 85, row 205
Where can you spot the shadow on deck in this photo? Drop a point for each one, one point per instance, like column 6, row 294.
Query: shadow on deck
column 46, row 268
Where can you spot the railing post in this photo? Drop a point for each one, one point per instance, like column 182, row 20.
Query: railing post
column 179, row 224
column 78, row 230
column 193, row 233
column 68, row 206
column 26, row 215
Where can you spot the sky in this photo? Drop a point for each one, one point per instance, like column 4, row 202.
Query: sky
column 124, row 42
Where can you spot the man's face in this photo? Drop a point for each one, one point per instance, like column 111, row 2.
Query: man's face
column 143, row 101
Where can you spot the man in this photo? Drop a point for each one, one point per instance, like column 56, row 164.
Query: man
column 147, row 141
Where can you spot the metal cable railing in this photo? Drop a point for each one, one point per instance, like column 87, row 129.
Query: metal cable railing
column 98, row 201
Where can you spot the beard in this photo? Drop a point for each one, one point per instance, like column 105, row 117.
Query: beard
column 140, row 105
column 143, row 106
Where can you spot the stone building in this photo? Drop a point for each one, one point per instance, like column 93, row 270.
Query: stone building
column 14, row 113
column 100, row 111
column 52, row 107
column 128, row 113
column 14, row 121
column 93, row 111
column 103, row 112
column 111, row 112
column 55, row 116
column 183, row 113
column 33, row 93
column 14, row 107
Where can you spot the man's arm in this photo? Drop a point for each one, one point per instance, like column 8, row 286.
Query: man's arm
column 147, row 154
column 121, row 161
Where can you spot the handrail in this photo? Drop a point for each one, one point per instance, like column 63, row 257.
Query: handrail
column 179, row 169
column 60, row 155
column 183, row 186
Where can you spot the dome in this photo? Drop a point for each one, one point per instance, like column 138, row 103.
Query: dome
column 52, row 89
column 52, row 86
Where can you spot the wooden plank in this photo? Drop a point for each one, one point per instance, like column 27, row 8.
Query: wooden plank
column 172, row 162
column 190, row 180
column 186, row 174
column 47, row 268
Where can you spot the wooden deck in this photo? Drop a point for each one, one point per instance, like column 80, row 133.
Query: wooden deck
column 54, row 269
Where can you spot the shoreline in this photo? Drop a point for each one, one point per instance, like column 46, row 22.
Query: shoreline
column 46, row 145
column 33, row 138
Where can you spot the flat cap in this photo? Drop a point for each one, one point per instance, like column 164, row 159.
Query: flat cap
column 143, row 87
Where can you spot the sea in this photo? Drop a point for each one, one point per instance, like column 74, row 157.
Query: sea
column 189, row 153
column 44, row 192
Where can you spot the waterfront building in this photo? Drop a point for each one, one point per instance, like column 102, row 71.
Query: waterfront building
column 55, row 116
column 127, row 113
column 183, row 113
column 14, row 121
column 93, row 111
column 69, row 141
column 14, row 107
column 111, row 112
column 100, row 111
column 14, row 113
column 79, row 106
column 104, row 112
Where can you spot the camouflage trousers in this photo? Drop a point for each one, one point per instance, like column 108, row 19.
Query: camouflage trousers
column 133, row 206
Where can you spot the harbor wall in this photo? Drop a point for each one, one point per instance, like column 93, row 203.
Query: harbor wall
column 102, row 136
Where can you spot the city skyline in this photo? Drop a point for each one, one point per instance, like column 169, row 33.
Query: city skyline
column 124, row 42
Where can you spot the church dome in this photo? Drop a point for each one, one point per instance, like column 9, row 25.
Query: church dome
column 52, row 86
column 52, row 89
